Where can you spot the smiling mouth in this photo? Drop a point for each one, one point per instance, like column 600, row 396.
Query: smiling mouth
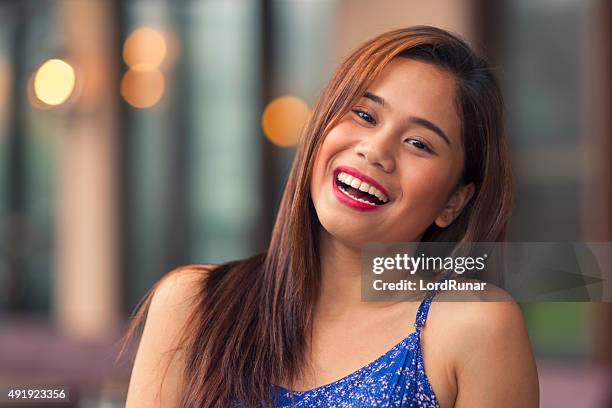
column 359, row 190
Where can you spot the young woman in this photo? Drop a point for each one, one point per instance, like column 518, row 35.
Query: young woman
column 416, row 116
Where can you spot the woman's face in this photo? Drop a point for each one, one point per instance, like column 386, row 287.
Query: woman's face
column 391, row 166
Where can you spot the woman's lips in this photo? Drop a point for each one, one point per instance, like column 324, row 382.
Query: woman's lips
column 361, row 176
column 350, row 201
column 357, row 205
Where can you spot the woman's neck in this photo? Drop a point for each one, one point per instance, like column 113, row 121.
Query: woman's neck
column 341, row 279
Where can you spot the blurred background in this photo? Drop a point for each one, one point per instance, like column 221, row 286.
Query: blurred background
column 140, row 135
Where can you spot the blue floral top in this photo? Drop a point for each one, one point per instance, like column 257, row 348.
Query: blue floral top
column 395, row 379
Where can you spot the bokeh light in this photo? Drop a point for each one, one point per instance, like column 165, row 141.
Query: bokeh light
column 54, row 82
column 142, row 88
column 31, row 94
column 283, row 120
column 144, row 47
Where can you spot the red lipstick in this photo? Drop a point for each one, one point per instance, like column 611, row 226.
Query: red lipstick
column 356, row 173
column 347, row 199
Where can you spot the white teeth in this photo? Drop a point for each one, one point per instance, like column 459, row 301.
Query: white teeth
column 361, row 185
column 364, row 201
column 355, row 198
column 364, row 186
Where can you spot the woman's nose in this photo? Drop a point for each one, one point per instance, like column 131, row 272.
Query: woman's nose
column 377, row 150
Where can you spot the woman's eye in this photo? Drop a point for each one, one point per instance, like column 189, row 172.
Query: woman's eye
column 364, row 116
column 418, row 144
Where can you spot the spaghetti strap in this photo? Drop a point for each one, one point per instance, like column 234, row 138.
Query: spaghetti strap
column 421, row 314
column 423, row 310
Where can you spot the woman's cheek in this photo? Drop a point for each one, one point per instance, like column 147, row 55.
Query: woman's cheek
column 338, row 138
column 323, row 160
column 428, row 186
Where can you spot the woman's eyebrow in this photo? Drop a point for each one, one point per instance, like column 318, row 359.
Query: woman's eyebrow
column 411, row 119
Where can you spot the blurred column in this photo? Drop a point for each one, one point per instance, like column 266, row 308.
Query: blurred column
column 86, row 302
column 263, row 232
column 16, row 168
column 597, row 130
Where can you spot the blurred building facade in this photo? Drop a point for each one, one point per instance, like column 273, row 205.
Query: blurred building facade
column 157, row 156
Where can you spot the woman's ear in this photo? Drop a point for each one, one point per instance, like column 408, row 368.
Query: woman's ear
column 456, row 203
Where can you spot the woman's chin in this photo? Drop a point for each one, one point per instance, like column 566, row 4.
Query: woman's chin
column 349, row 235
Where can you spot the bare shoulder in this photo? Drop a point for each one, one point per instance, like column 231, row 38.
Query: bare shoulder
column 177, row 290
column 472, row 290
column 474, row 316
column 490, row 350
column 157, row 373
column 474, row 319
column 175, row 295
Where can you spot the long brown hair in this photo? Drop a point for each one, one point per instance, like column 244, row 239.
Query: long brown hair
column 252, row 317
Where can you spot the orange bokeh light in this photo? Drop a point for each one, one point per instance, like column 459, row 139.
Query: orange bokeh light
column 142, row 88
column 145, row 47
column 283, row 120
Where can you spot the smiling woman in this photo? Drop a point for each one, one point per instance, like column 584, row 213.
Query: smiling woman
column 405, row 144
column 393, row 138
